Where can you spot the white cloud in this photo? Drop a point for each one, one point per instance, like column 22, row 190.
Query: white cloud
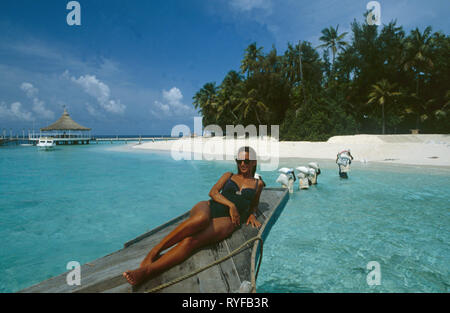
column 39, row 108
column 29, row 90
column 173, row 96
column 99, row 90
column 172, row 105
column 15, row 112
column 93, row 111
column 248, row 5
column 38, row 105
column 163, row 107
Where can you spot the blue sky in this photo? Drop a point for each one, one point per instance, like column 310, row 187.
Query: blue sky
column 132, row 67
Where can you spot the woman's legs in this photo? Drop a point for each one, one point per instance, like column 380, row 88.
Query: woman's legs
column 218, row 229
column 198, row 220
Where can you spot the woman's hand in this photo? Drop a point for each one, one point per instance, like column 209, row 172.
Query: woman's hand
column 234, row 214
column 253, row 221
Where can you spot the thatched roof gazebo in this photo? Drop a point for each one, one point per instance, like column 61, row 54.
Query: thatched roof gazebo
column 66, row 131
column 65, row 122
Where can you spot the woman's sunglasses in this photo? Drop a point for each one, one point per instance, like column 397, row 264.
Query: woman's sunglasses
column 246, row 161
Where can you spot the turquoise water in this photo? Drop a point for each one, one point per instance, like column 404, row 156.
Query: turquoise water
column 82, row 202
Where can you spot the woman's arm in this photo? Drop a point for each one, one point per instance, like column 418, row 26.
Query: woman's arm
column 254, row 206
column 215, row 190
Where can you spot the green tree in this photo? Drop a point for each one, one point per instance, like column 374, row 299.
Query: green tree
column 205, row 100
column 417, row 59
column 250, row 104
column 332, row 40
column 252, row 56
column 230, row 95
column 338, row 91
column 382, row 94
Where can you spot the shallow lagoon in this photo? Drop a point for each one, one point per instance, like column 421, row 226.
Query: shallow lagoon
column 82, row 202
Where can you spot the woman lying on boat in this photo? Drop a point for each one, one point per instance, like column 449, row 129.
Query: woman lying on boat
column 209, row 221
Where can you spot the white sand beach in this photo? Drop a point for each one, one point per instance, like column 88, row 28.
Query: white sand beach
column 402, row 149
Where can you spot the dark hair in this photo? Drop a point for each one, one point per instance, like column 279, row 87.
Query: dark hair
column 251, row 156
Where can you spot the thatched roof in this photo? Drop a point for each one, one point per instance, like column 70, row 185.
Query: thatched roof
column 65, row 122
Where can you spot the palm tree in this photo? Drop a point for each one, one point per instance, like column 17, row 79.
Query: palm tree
column 311, row 64
column 251, row 104
column 331, row 40
column 417, row 57
column 271, row 63
column 230, row 94
column 251, row 58
column 418, row 48
column 382, row 93
column 291, row 64
column 206, row 101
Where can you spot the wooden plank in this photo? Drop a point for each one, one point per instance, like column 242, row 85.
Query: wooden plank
column 190, row 284
column 228, row 267
column 171, row 274
column 124, row 288
column 107, row 284
column 242, row 258
column 210, row 280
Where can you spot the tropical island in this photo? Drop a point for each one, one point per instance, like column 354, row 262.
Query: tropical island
column 375, row 80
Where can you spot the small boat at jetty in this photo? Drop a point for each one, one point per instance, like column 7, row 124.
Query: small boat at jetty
column 46, row 143
column 229, row 266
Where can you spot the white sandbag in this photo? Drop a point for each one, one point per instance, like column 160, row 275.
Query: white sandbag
column 303, row 183
column 303, row 169
column 283, row 179
column 286, row 170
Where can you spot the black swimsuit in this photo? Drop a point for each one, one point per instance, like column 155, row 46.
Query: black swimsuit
column 242, row 200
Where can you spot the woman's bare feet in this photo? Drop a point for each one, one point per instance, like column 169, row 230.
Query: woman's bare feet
column 136, row 276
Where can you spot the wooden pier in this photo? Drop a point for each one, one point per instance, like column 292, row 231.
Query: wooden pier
column 13, row 140
column 105, row 274
column 138, row 139
column 83, row 140
column 4, row 141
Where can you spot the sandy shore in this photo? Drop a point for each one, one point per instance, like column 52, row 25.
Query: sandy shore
column 402, row 149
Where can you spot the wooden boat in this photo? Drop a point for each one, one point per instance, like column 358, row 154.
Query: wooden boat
column 105, row 274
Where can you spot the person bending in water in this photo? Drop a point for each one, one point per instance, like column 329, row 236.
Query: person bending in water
column 209, row 221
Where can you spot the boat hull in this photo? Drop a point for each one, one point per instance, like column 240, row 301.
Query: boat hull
column 105, row 274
